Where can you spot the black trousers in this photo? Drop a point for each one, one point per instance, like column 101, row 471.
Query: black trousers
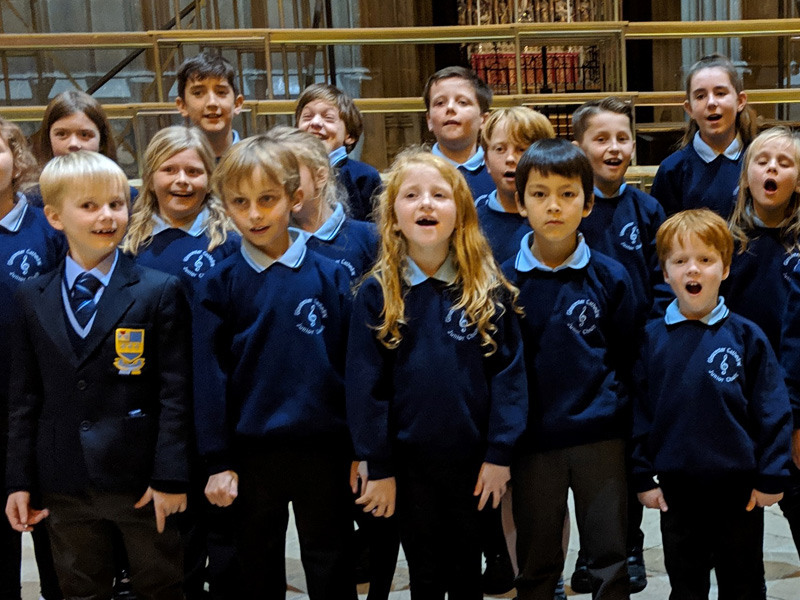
column 790, row 505
column 381, row 540
column 439, row 528
column 81, row 532
column 705, row 522
column 596, row 474
column 316, row 482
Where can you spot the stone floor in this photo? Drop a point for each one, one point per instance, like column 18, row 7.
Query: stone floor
column 780, row 556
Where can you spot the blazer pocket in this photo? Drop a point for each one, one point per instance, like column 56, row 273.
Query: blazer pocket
column 119, row 452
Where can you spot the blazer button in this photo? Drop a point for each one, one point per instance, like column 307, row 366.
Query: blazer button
column 82, row 385
column 86, row 425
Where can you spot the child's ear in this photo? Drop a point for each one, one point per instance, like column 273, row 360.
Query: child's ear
column 741, row 101
column 588, row 205
column 53, row 217
column 297, row 200
column 726, row 272
column 348, row 140
column 687, row 108
column 520, row 205
column 237, row 104
column 428, row 121
column 575, row 143
column 181, row 107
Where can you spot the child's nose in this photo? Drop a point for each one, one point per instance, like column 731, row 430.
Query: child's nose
column 181, row 176
column 75, row 143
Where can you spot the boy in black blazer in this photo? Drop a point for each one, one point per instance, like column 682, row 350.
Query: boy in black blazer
column 99, row 399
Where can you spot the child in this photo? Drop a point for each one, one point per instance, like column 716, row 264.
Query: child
column 178, row 226
column 580, row 318
column 328, row 113
column 704, row 172
column 624, row 220
column 29, row 247
column 436, row 396
column 99, row 411
column 322, row 214
column 711, row 419
column 208, row 99
column 506, row 135
column 270, row 324
column 457, row 104
column 72, row 121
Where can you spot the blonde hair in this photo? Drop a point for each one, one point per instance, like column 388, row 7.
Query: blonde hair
column 523, row 125
column 481, row 283
column 702, row 222
column 742, row 220
column 165, row 144
column 25, row 167
column 311, row 152
column 78, row 171
column 258, row 153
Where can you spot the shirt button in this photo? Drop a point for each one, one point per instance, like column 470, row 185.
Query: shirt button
column 82, row 385
column 86, row 425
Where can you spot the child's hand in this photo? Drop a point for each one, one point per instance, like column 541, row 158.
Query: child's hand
column 796, row 447
column 20, row 514
column 492, row 481
column 358, row 472
column 222, row 488
column 378, row 497
column 164, row 505
column 761, row 499
column 653, row 499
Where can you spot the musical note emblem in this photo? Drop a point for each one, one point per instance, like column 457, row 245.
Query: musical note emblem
column 198, row 264
column 582, row 317
column 312, row 317
column 723, row 366
column 24, row 265
column 463, row 323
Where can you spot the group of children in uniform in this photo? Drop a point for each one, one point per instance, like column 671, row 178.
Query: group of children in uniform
column 517, row 322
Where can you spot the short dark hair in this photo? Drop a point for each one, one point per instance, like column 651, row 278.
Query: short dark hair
column 209, row 63
column 482, row 91
column 348, row 111
column 587, row 110
column 559, row 157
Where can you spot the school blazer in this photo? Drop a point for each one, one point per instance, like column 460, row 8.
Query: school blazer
column 115, row 415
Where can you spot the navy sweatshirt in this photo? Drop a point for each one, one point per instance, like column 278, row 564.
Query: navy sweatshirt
column 579, row 331
column 790, row 344
column 474, row 171
column 624, row 227
column 436, row 394
column 504, row 231
column 362, row 182
column 351, row 243
column 684, row 180
column 711, row 404
column 758, row 284
column 269, row 351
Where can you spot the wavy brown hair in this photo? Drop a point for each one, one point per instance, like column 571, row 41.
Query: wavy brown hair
column 26, row 170
column 483, row 288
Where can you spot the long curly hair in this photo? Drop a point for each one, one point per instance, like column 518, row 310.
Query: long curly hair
column 26, row 169
column 165, row 144
column 482, row 286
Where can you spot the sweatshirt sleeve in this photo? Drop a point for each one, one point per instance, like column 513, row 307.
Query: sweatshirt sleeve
column 642, row 470
column 667, row 184
column 790, row 346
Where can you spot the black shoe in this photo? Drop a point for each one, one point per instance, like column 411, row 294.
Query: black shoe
column 498, row 578
column 636, row 571
column 122, row 587
column 561, row 593
column 581, row 582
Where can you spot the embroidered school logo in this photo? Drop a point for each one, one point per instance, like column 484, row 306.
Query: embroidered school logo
column 197, row 263
column 725, row 363
column 24, row 264
column 629, row 237
column 789, row 264
column 129, row 344
column 311, row 314
column 582, row 316
column 462, row 330
column 349, row 266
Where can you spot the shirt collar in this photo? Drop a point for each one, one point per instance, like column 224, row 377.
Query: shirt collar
column 236, row 138
column 526, row 261
column 472, row 165
column 337, row 156
column 414, row 275
column 620, row 191
column 759, row 223
column 673, row 314
column 330, row 228
column 494, row 204
column 73, row 269
column 705, row 151
column 13, row 220
column 196, row 229
column 292, row 258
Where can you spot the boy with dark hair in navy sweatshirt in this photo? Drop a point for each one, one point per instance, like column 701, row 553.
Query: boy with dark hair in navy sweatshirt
column 580, row 318
column 711, row 419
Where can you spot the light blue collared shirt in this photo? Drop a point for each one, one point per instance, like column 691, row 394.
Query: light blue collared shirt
column 674, row 315
column 330, row 228
column 708, row 154
column 472, row 165
column 292, row 258
column 493, row 203
column 195, row 229
column 236, row 137
column 526, row 261
column 71, row 272
column 620, row 191
column 414, row 275
column 337, row 156
column 13, row 220
column 759, row 223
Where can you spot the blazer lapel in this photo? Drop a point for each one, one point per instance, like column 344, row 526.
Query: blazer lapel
column 50, row 309
column 113, row 304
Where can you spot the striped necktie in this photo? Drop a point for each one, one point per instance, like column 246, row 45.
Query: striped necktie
column 81, row 297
